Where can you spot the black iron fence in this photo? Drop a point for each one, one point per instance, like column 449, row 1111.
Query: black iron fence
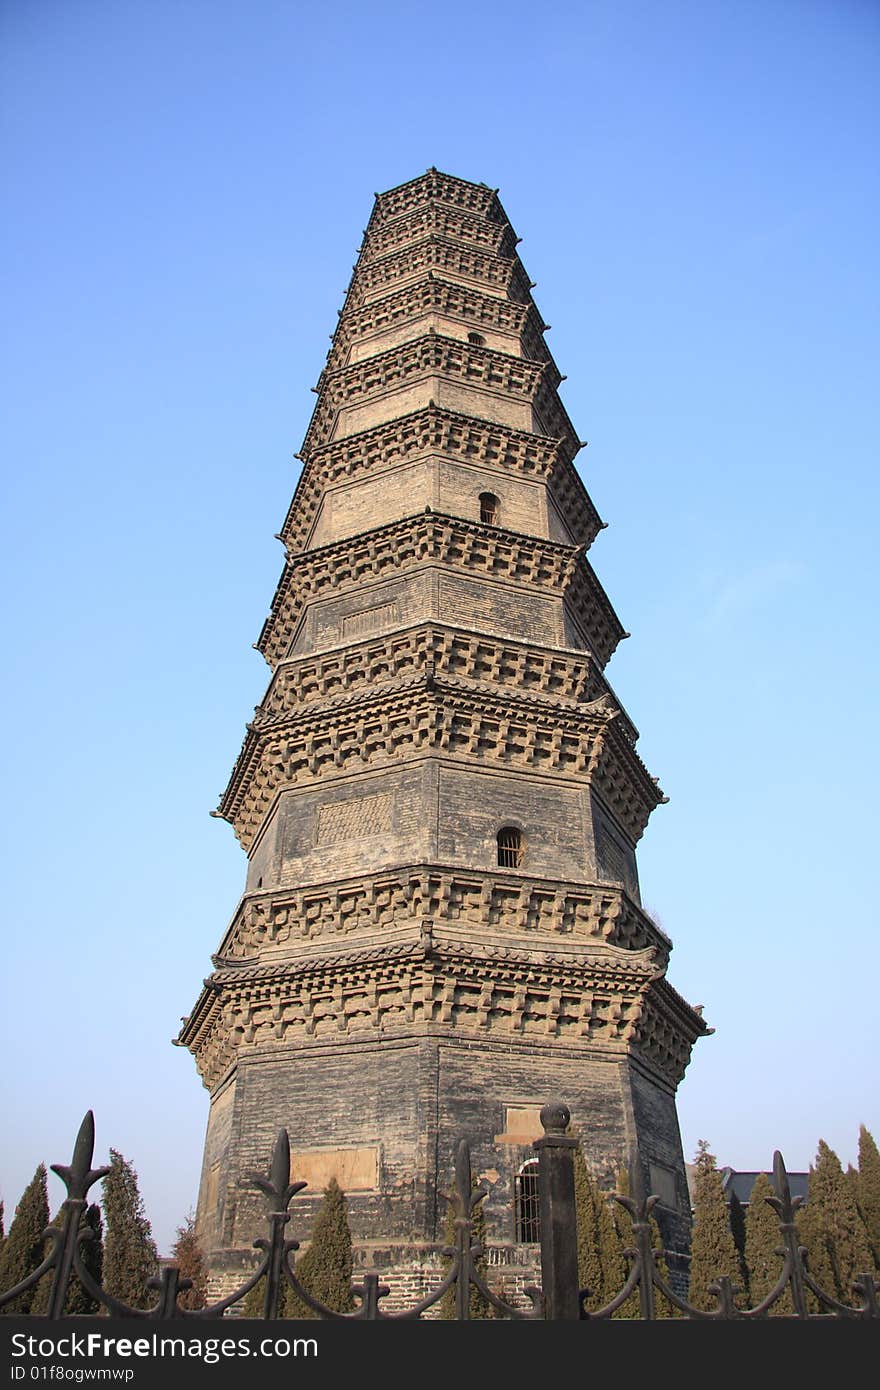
column 558, row 1298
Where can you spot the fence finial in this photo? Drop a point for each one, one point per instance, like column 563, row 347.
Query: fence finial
column 555, row 1117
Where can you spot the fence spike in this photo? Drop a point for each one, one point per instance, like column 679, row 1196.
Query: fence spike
column 79, row 1175
column 558, row 1298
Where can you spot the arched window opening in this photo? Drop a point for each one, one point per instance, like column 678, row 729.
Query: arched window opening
column 477, row 339
column 528, row 1215
column 489, row 508
column 510, row 847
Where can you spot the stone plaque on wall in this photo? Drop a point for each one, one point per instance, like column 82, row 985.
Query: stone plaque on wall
column 356, row 1170
column 522, row 1125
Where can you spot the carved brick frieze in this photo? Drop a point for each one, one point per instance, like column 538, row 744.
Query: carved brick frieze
column 439, row 718
column 540, row 964
column 492, row 701
column 430, row 356
column 549, row 411
column 603, row 1001
column 443, row 297
column 434, row 186
column 435, row 430
column 503, row 274
column 588, row 603
column 429, row 897
column 501, row 663
column 624, row 783
column 438, row 219
column 431, row 538
column 461, row 438
column 667, row 1030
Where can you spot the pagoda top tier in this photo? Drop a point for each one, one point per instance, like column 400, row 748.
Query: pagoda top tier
column 438, row 407
column 435, row 187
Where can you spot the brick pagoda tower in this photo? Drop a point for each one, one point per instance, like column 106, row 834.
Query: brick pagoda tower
column 440, row 796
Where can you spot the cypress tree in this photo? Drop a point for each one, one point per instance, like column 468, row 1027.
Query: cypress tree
column 610, row 1250
column 832, row 1228
column 187, row 1255
column 92, row 1254
column 325, row 1269
column 590, row 1274
column 447, row 1302
column 811, row 1225
column 713, row 1252
column 625, row 1240
column 623, row 1231
column 601, row 1266
column 2, row 1231
column 869, row 1189
column 253, row 1303
column 78, row 1303
column 851, row 1178
column 737, row 1217
column 478, row 1305
column 130, row 1256
column 763, row 1239
column 23, row 1248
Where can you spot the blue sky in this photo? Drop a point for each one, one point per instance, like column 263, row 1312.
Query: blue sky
column 185, row 187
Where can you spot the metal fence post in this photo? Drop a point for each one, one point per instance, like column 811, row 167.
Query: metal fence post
column 556, row 1204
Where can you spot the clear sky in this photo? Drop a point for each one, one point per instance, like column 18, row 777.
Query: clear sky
column 185, row 186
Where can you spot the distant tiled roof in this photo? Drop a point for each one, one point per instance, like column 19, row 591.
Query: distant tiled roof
column 740, row 1185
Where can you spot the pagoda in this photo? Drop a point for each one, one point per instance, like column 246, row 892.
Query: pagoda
column 440, row 795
